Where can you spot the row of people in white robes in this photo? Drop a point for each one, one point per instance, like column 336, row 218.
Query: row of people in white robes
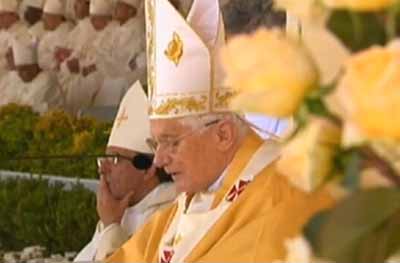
column 25, row 83
column 96, row 60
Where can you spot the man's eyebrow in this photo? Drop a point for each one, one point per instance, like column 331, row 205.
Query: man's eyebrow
column 168, row 136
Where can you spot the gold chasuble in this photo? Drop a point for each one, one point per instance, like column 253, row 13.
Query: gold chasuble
column 261, row 216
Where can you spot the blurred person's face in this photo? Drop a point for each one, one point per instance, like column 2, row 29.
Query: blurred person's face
column 33, row 15
column 122, row 176
column 7, row 19
column 10, row 59
column 81, row 8
column 123, row 12
column 28, row 72
column 52, row 21
column 99, row 22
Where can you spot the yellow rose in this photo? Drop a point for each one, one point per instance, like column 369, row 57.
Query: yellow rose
column 326, row 49
column 307, row 159
column 359, row 5
column 270, row 72
column 369, row 92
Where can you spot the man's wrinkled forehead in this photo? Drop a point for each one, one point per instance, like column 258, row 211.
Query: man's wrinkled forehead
column 166, row 128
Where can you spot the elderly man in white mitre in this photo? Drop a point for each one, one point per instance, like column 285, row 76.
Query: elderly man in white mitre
column 234, row 206
column 37, row 88
column 131, row 188
column 10, row 27
column 57, row 27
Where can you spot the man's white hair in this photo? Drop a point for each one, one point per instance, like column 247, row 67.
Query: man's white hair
column 198, row 121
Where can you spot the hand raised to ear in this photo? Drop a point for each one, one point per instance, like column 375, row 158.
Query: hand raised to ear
column 110, row 209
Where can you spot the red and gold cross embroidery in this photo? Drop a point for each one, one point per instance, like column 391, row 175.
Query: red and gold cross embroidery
column 167, row 255
column 236, row 190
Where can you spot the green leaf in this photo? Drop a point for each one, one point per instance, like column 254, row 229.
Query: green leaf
column 385, row 241
column 361, row 228
column 352, row 169
column 358, row 31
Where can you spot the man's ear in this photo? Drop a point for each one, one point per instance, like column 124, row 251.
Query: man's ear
column 225, row 135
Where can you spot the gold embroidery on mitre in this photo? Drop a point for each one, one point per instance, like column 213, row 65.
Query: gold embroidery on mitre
column 151, row 31
column 222, row 98
column 177, row 239
column 178, row 105
column 122, row 118
column 174, row 50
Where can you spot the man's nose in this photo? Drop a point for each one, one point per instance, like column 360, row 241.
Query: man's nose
column 104, row 168
column 161, row 158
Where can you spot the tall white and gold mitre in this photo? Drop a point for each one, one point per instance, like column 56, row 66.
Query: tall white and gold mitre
column 131, row 126
column 184, row 76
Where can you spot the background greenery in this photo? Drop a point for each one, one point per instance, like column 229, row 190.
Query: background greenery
column 34, row 212
column 23, row 133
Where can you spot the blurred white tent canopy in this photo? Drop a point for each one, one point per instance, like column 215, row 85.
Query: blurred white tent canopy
column 279, row 127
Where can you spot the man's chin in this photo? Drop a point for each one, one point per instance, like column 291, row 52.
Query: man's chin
column 180, row 187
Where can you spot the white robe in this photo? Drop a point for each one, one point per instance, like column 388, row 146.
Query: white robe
column 42, row 93
column 114, row 52
column 48, row 44
column 37, row 31
column 9, row 89
column 69, row 10
column 79, row 39
column 107, row 240
column 17, row 30
column 128, row 44
column 95, row 82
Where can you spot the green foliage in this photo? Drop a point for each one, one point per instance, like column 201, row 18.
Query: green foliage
column 361, row 228
column 16, row 126
column 358, row 30
column 32, row 212
column 313, row 105
column 348, row 162
column 25, row 133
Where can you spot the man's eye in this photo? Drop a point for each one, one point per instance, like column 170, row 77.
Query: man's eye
column 175, row 143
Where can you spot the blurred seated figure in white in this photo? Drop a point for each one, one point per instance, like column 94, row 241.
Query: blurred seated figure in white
column 9, row 91
column 128, row 60
column 131, row 188
column 37, row 88
column 102, row 93
column 31, row 11
column 57, row 27
column 78, row 73
column 10, row 27
column 121, row 57
column 77, row 39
